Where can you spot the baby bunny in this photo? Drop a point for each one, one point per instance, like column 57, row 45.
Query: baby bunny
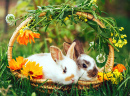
column 87, row 68
column 61, row 69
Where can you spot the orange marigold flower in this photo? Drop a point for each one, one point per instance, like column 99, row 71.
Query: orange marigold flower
column 17, row 65
column 32, row 70
column 119, row 67
column 26, row 36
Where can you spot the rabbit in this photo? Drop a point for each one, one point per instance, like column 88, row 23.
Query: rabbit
column 87, row 68
column 57, row 67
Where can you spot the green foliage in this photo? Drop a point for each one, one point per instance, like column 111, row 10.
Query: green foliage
column 54, row 26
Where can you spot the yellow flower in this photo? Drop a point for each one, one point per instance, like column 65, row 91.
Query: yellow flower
column 116, row 44
column 114, row 41
column 121, row 29
column 26, row 36
column 23, row 27
column 116, row 73
column 28, row 24
column 122, row 36
column 102, row 76
column 17, row 65
column 120, row 41
column 95, row 1
column 115, row 77
column 113, row 80
column 69, row 15
column 85, row 20
column 66, row 18
column 50, row 17
column 21, row 31
column 120, row 45
column 109, row 74
column 49, row 39
column 116, row 35
column 79, row 17
column 111, row 34
column 125, row 41
column 32, row 70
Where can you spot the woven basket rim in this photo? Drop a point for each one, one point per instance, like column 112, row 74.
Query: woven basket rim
column 109, row 64
column 19, row 75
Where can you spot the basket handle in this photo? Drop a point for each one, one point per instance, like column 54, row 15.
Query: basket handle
column 14, row 36
column 110, row 61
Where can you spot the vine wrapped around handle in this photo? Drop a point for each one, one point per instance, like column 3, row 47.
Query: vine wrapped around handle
column 110, row 61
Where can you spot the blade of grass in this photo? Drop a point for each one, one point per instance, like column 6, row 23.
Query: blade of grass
column 3, row 69
column 123, row 83
column 14, row 94
column 42, row 84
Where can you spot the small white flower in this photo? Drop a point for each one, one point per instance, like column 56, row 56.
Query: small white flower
column 39, row 7
column 91, row 43
column 10, row 18
column 100, row 58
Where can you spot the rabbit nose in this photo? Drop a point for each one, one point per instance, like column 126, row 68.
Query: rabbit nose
column 69, row 77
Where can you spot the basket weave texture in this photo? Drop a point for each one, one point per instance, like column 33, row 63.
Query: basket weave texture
column 48, row 83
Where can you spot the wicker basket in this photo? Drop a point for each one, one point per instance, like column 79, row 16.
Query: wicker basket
column 49, row 85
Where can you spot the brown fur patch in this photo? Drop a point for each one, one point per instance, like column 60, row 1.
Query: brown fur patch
column 93, row 73
column 78, row 48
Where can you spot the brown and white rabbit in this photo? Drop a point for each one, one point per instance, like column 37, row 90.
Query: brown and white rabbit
column 61, row 69
column 87, row 68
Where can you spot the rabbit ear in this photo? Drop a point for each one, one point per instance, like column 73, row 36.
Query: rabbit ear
column 66, row 46
column 56, row 53
column 78, row 48
column 70, row 51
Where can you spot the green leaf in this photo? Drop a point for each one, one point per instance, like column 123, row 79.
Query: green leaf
column 46, row 27
column 105, row 32
column 73, row 20
column 61, row 15
column 93, row 24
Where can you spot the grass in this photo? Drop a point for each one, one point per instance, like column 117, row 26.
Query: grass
column 12, row 86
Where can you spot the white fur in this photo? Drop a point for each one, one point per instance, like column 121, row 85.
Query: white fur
column 83, row 73
column 53, row 70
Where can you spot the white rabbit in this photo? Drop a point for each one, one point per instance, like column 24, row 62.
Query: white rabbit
column 86, row 65
column 61, row 69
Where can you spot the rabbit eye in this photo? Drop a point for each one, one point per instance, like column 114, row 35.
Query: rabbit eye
column 65, row 70
column 84, row 65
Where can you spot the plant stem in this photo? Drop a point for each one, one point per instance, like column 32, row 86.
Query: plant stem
column 107, row 23
column 112, row 45
column 38, row 22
